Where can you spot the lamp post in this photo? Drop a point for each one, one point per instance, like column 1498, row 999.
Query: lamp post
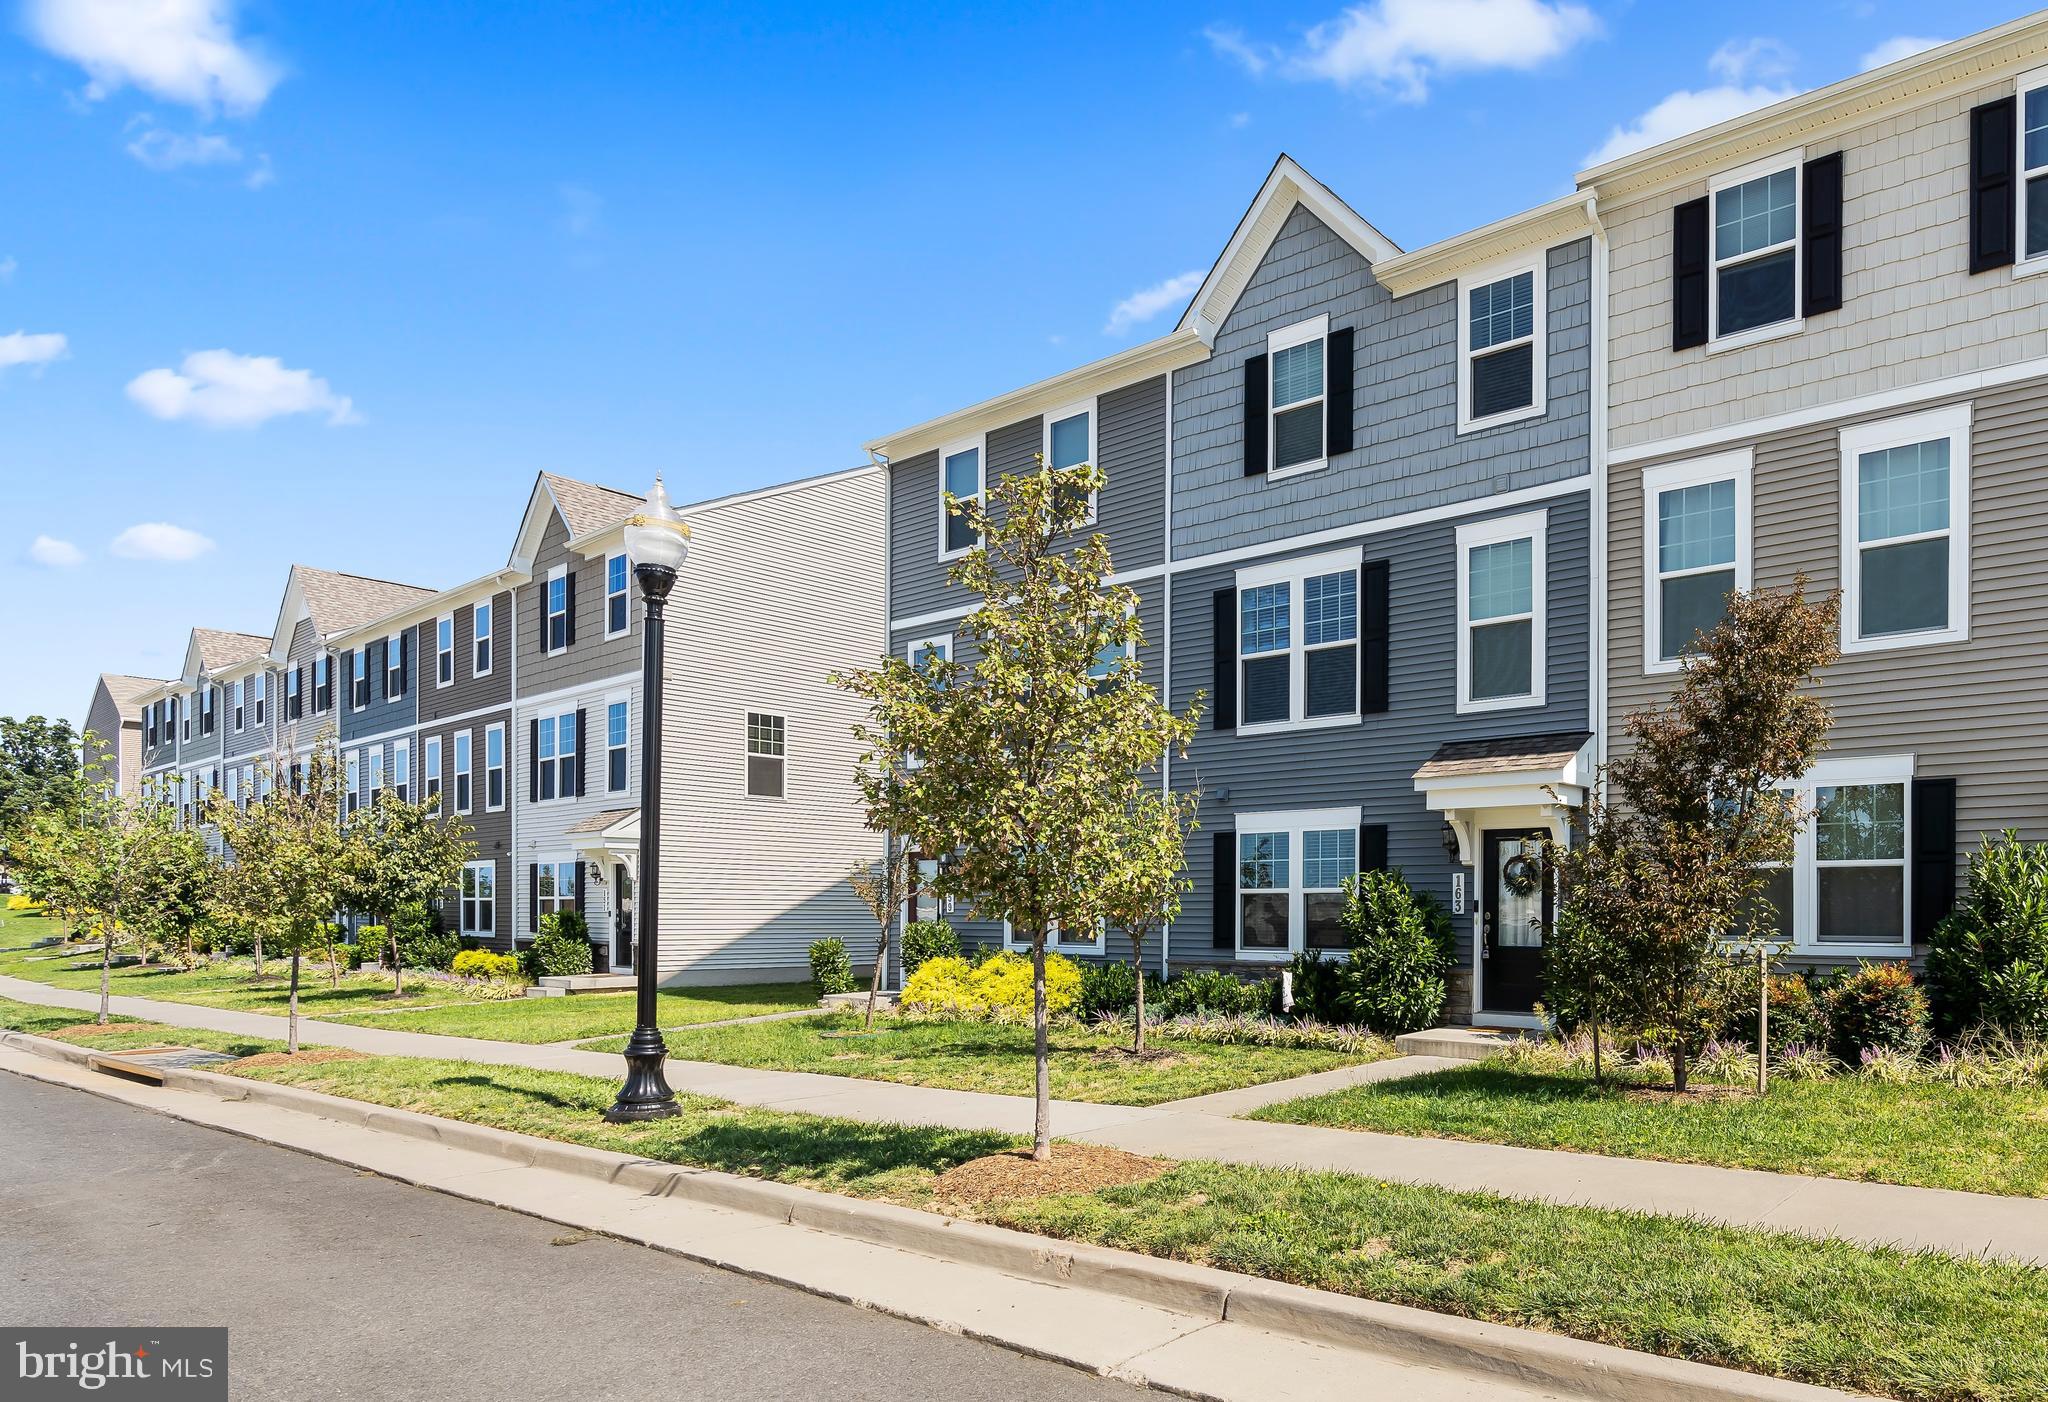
column 657, row 542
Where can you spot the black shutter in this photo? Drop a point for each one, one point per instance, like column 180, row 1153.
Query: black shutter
column 1689, row 270
column 579, row 888
column 1256, row 397
column 1372, row 637
column 1224, row 905
column 532, row 897
column 404, row 661
column 1337, row 392
column 1934, row 854
column 569, row 590
column 1821, row 211
column 380, row 666
column 540, row 600
column 1993, row 185
column 1223, row 687
column 582, row 749
column 1372, row 847
column 533, row 761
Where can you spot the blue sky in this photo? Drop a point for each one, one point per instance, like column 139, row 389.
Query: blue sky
column 333, row 282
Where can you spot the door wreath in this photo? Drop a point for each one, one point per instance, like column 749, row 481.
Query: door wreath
column 1521, row 874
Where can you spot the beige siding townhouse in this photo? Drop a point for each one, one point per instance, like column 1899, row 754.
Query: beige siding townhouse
column 117, row 720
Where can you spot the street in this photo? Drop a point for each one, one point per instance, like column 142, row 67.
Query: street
column 335, row 1283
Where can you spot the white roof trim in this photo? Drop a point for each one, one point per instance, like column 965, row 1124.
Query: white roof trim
column 434, row 606
column 1562, row 220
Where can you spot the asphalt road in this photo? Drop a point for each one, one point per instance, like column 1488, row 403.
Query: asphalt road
column 338, row 1284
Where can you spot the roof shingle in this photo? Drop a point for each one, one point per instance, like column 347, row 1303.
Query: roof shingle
column 218, row 649
column 339, row 602
column 588, row 508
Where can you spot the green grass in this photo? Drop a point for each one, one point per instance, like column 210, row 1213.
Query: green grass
column 121, row 1033
column 1917, row 1326
column 1934, row 1136
column 583, row 1015
column 995, row 1057
column 230, row 983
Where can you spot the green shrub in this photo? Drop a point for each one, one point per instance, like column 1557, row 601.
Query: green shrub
column 1259, row 1031
column 1987, row 963
column 997, row 988
column 1110, row 988
column 1395, row 978
column 1316, row 987
column 370, row 946
column 1877, row 1008
column 1216, row 993
column 831, row 970
column 485, row 964
column 422, row 943
column 1798, row 1017
column 561, row 948
column 928, row 939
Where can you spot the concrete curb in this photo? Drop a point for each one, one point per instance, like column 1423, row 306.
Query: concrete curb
column 1521, row 1355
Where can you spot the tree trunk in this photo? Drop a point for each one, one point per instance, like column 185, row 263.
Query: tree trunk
column 291, row 1026
column 875, row 979
column 259, row 951
column 106, row 973
column 1763, row 1021
column 391, row 948
column 1678, row 1070
column 1041, row 1039
column 1596, row 1052
column 1138, row 968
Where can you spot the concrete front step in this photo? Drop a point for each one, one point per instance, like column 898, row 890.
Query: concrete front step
column 1462, row 1043
column 559, row 985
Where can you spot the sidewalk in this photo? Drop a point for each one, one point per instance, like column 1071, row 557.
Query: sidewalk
column 1875, row 1214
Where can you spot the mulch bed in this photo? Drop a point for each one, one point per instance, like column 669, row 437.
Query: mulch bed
column 1073, row 1168
column 312, row 1057
column 87, row 1029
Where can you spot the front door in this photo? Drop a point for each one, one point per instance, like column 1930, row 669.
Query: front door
column 622, row 918
column 1516, row 916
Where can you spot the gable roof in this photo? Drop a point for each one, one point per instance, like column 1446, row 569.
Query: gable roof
column 214, row 648
column 126, row 691
column 335, row 603
column 586, row 509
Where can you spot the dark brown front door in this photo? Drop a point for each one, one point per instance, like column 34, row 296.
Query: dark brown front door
column 1516, row 917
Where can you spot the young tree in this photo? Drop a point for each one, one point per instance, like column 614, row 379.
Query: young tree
column 1020, row 766
column 41, row 768
column 402, row 852
column 1143, row 890
column 884, row 887
column 1668, row 872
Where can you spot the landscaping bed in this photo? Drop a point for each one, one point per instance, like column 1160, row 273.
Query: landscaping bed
column 585, row 1015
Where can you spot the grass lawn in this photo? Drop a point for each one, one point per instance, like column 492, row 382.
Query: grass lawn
column 1918, row 1326
column 230, row 983
column 582, row 1015
column 121, row 1033
column 995, row 1057
column 1933, row 1136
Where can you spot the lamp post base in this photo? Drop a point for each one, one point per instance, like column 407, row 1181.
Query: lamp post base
column 646, row 1094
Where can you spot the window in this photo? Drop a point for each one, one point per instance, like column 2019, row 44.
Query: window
column 494, row 768
column 938, row 648
column 615, row 747
column 1500, row 613
column 185, row 723
column 359, row 678
column 294, row 704
column 1696, row 528
column 1905, row 531
column 1295, row 361
column 430, row 765
column 234, row 794
column 259, row 687
column 150, row 715
column 1756, row 247
column 376, row 777
column 401, row 770
column 249, row 790
column 352, row 768
column 479, row 898
column 480, row 623
column 210, row 699
column 462, row 758
column 556, row 756
column 1847, row 890
column 2033, row 147
column 556, row 890
column 766, row 743
column 394, row 666
column 1291, row 870
column 960, row 476
column 614, row 596
column 1070, row 441
column 1500, row 347
column 323, row 685
column 1298, row 641
column 444, row 650
column 236, row 706
column 558, row 610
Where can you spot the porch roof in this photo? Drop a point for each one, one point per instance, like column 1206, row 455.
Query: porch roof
column 1509, row 754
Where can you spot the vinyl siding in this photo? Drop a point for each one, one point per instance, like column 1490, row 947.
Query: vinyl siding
column 384, row 713
column 469, row 692
column 543, row 827
column 251, row 739
column 592, row 655
column 491, row 833
column 119, row 740
column 310, row 729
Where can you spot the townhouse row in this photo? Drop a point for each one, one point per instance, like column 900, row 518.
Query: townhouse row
column 516, row 698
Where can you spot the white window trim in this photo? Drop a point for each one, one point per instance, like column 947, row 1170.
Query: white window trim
column 547, row 609
column 464, row 768
column 1294, row 822
column 431, row 779
column 504, row 771
column 1535, row 525
column 2022, row 265
column 1953, row 423
column 1537, row 264
column 1316, row 328
column 449, row 619
column 259, row 703
column 483, row 636
column 358, row 655
column 1082, row 406
column 1698, row 472
column 980, row 445
column 1295, row 573
column 625, row 592
column 373, row 781
column 394, row 661
column 1805, row 914
column 747, row 752
column 235, row 705
column 618, row 698
column 487, row 867
column 401, row 763
column 1770, row 165
column 1056, row 941
column 561, row 903
column 942, row 641
column 351, row 779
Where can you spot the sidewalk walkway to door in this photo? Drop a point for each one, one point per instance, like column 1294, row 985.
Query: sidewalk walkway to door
column 1880, row 1214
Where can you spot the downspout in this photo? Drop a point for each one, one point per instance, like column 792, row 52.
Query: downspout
column 1166, row 642
column 1596, row 690
column 881, row 460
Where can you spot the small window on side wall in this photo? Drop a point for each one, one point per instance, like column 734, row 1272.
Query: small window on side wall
column 614, row 596
column 767, row 741
column 1500, row 363
column 960, row 479
column 1070, row 442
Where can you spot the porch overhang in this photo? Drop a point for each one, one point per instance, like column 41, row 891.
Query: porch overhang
column 1524, row 779
column 610, row 836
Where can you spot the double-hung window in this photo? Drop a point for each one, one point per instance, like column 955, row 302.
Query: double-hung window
column 430, row 765
column 237, row 705
column 494, row 768
column 1501, row 613
column 374, row 784
column 479, row 898
column 1500, row 346
column 185, row 722
column 294, row 705
column 1070, row 442
column 1696, row 530
column 2033, row 147
column 1905, row 531
column 1295, row 361
column 1298, row 641
column 1291, row 870
column 556, row 755
column 359, row 677
column 480, row 626
column 960, row 479
column 323, row 684
column 462, row 759
column 615, row 596
column 767, row 749
column 558, row 609
column 259, row 689
column 444, row 650
column 401, row 770
column 1756, row 247
column 556, row 890
column 1848, row 888
column 394, row 666
column 234, row 794
column 615, row 747
column 352, row 769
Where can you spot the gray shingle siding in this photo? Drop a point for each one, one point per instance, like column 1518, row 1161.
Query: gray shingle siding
column 592, row 657
column 384, row 712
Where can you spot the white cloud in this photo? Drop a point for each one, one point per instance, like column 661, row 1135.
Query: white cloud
column 1898, row 47
column 223, row 389
column 1400, row 45
column 1240, row 120
column 180, row 50
column 31, row 348
column 160, row 540
column 1740, row 60
column 57, row 554
column 1147, row 302
column 261, row 175
column 1684, row 112
column 168, row 150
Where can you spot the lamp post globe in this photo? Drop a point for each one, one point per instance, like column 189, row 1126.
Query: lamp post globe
column 657, row 543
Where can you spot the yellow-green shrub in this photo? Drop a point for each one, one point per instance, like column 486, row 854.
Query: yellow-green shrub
column 998, row 988
column 28, row 904
column 485, row 963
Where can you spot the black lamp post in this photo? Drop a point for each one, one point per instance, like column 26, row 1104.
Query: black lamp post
column 657, row 542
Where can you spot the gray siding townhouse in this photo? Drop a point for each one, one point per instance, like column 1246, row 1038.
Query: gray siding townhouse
column 1829, row 358
column 198, row 765
column 116, row 720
